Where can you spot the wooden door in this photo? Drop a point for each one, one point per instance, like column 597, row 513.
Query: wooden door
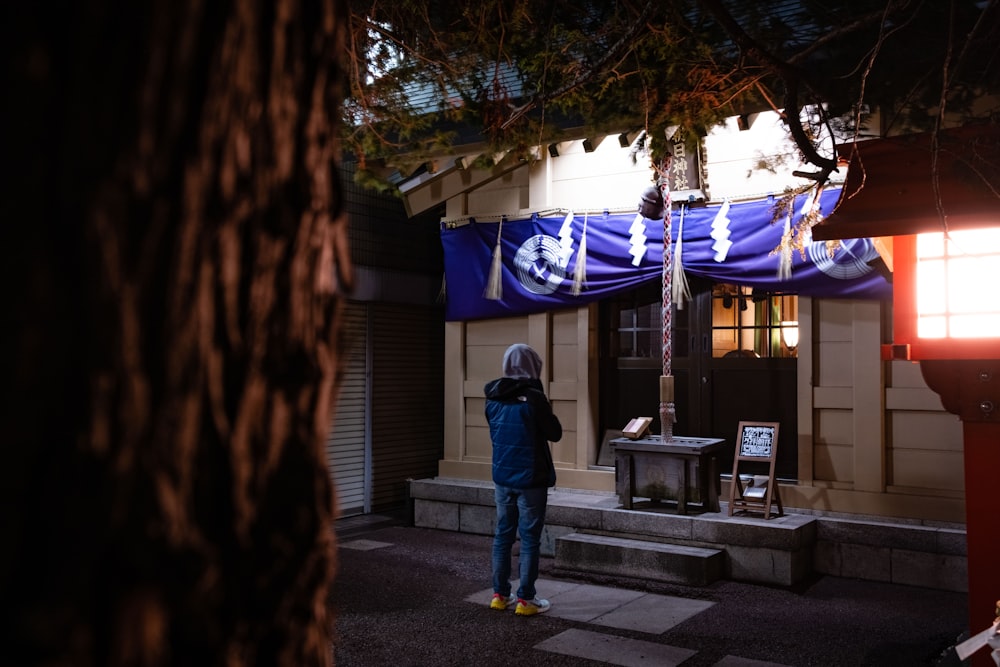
column 715, row 388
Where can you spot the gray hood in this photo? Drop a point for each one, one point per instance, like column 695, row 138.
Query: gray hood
column 521, row 363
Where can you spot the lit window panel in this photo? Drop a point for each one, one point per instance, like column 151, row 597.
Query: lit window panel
column 957, row 282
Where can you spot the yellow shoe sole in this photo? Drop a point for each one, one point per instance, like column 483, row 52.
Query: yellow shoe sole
column 527, row 610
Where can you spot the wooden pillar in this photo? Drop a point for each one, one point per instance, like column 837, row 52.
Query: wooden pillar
column 971, row 389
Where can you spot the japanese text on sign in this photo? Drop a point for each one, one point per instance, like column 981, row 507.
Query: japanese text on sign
column 757, row 441
column 679, row 167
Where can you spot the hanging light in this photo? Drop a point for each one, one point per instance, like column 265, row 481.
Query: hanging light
column 937, row 227
column 944, row 302
column 790, row 334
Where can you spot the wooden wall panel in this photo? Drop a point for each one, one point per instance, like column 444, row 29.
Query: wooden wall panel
column 834, row 320
column 833, row 364
column 927, row 469
column 834, row 463
column 477, row 443
column 926, row 430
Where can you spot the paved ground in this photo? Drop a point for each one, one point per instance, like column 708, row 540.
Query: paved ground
column 415, row 597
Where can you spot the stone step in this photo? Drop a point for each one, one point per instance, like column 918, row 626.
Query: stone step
column 639, row 559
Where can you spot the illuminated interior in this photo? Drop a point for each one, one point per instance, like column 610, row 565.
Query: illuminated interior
column 751, row 323
column 790, row 333
column 957, row 281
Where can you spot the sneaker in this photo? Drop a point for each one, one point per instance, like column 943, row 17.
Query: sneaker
column 532, row 607
column 500, row 602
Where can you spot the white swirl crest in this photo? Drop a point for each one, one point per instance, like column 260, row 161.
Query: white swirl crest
column 538, row 264
column 849, row 260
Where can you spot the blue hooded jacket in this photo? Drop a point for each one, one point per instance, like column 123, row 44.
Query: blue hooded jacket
column 521, row 422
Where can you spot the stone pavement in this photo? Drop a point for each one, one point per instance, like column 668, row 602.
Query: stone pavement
column 419, row 597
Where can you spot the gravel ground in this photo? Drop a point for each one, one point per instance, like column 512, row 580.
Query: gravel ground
column 404, row 605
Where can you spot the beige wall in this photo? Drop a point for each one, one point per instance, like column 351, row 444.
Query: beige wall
column 873, row 439
column 566, row 341
column 924, row 447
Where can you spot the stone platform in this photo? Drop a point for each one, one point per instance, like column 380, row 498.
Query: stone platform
column 781, row 551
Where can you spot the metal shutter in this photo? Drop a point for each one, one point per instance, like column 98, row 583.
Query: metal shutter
column 407, row 399
column 346, row 450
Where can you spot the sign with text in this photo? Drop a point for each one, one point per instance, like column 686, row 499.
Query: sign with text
column 685, row 170
column 758, row 440
column 756, row 444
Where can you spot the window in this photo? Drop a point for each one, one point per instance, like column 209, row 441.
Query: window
column 754, row 324
column 636, row 328
column 640, row 329
column 745, row 323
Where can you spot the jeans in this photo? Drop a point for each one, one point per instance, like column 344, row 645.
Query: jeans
column 518, row 511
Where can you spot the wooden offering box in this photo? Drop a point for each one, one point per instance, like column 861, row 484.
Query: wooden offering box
column 683, row 470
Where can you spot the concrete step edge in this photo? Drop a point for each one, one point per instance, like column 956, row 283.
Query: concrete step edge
column 639, row 544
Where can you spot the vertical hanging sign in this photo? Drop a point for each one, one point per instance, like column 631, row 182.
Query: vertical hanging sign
column 685, row 172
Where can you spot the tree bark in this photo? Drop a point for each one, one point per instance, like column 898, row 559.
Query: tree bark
column 175, row 264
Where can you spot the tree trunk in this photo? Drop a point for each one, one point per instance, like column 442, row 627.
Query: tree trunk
column 175, row 263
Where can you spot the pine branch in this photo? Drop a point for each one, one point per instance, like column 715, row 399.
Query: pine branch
column 611, row 54
column 848, row 29
column 789, row 74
